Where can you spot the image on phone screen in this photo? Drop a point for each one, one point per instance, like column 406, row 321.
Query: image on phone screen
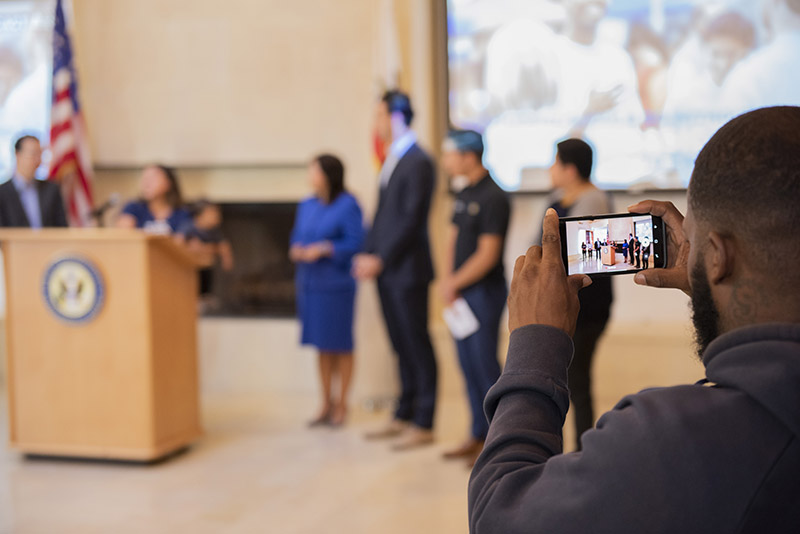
column 612, row 244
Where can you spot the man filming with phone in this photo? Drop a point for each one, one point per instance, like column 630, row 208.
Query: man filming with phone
column 722, row 455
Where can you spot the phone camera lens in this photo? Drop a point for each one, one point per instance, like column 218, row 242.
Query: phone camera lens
column 656, row 241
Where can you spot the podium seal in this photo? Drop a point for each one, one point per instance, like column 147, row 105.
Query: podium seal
column 73, row 289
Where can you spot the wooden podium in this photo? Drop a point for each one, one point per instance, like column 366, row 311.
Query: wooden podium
column 608, row 255
column 101, row 337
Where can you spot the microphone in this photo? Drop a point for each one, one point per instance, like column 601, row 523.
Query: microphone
column 99, row 211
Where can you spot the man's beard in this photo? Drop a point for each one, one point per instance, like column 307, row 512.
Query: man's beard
column 705, row 316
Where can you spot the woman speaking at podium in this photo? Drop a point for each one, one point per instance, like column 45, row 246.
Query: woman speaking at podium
column 328, row 232
column 160, row 206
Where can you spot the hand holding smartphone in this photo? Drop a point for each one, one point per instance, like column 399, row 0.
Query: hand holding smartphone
column 604, row 245
column 675, row 273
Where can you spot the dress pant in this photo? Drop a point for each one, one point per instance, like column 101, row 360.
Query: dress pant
column 592, row 319
column 405, row 310
column 478, row 352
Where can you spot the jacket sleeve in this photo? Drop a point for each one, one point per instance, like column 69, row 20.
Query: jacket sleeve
column 370, row 240
column 351, row 238
column 413, row 212
column 59, row 215
column 4, row 220
column 294, row 237
column 522, row 482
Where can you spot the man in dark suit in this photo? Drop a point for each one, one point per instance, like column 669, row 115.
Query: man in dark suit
column 25, row 201
column 632, row 248
column 397, row 253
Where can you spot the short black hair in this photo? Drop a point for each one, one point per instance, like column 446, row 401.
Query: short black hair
column 578, row 153
column 746, row 182
column 397, row 101
column 467, row 141
column 21, row 141
column 333, row 169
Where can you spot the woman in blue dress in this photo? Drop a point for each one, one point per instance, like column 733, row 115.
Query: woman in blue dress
column 160, row 206
column 328, row 232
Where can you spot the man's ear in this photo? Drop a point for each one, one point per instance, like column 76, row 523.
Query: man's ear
column 720, row 257
column 572, row 172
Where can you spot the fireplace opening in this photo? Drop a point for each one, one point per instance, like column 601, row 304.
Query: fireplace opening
column 261, row 283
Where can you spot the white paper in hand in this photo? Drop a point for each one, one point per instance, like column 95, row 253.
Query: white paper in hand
column 460, row 319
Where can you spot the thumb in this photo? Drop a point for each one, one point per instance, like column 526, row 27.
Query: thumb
column 577, row 282
column 673, row 278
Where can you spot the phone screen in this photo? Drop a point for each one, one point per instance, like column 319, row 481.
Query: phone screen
column 612, row 244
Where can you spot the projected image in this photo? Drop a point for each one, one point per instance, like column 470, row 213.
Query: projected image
column 26, row 35
column 645, row 82
column 610, row 245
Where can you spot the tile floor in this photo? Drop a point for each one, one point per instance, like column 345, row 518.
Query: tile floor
column 259, row 469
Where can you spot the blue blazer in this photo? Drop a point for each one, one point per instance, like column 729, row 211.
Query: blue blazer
column 339, row 222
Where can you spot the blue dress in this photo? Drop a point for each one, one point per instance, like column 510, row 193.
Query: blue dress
column 326, row 289
column 138, row 209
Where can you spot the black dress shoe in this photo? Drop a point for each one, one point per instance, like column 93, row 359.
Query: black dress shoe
column 323, row 419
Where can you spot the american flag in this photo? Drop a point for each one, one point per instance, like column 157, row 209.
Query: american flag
column 70, row 163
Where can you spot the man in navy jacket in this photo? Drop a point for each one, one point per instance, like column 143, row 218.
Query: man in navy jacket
column 26, row 202
column 397, row 253
column 722, row 455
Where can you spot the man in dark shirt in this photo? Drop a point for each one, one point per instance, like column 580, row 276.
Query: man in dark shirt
column 722, row 455
column 474, row 272
column 638, row 250
column 25, row 201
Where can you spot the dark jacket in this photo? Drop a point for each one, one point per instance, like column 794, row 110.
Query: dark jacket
column 12, row 214
column 718, row 456
column 399, row 233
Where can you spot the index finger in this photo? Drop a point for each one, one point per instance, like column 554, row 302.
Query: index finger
column 551, row 238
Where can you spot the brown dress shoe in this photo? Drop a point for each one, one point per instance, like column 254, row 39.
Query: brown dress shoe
column 468, row 449
column 413, row 438
column 392, row 430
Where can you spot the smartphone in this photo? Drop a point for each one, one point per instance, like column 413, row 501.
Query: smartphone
column 602, row 245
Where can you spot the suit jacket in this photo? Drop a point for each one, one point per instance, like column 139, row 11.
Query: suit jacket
column 399, row 233
column 12, row 214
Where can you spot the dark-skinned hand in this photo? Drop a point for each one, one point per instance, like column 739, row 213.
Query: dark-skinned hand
column 676, row 273
column 541, row 292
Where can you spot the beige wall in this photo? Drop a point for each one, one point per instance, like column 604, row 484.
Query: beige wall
column 204, row 82
column 299, row 80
